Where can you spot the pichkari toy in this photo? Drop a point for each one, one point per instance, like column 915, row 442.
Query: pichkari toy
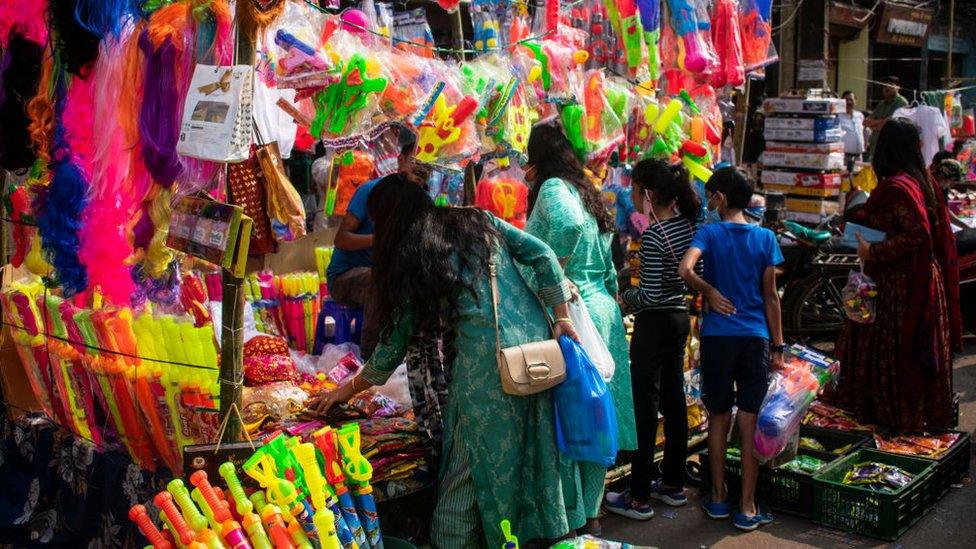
column 650, row 18
column 338, row 105
column 624, row 18
column 692, row 31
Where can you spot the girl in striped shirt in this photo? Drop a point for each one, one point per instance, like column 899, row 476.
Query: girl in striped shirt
column 657, row 349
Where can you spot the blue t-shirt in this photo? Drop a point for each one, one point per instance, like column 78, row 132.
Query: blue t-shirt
column 735, row 256
column 344, row 260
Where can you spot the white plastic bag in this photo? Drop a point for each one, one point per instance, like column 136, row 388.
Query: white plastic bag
column 217, row 114
column 591, row 339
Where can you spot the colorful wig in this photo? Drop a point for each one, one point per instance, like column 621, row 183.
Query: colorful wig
column 75, row 44
column 22, row 62
column 159, row 119
column 41, row 111
column 26, row 17
column 105, row 18
column 58, row 206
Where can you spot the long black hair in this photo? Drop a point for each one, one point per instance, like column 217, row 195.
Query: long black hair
column 551, row 153
column 669, row 183
column 899, row 151
column 424, row 258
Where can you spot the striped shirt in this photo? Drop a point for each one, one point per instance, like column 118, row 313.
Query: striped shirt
column 660, row 287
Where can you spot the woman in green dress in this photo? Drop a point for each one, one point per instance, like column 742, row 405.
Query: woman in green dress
column 431, row 270
column 567, row 212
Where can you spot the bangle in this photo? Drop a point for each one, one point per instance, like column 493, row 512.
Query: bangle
column 562, row 319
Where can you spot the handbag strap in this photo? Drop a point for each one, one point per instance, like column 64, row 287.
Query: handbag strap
column 493, row 272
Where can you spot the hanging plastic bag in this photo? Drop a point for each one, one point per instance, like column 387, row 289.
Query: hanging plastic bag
column 217, row 114
column 859, row 296
column 591, row 339
column 586, row 422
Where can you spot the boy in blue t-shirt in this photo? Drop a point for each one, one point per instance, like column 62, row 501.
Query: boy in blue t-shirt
column 742, row 317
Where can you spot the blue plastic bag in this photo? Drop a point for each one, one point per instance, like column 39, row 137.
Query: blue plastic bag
column 586, row 421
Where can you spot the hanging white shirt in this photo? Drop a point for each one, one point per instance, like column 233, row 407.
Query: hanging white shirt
column 853, row 126
column 931, row 125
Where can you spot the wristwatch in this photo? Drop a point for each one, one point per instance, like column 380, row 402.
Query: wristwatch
column 781, row 348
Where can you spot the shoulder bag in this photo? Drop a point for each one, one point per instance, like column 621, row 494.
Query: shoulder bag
column 531, row 367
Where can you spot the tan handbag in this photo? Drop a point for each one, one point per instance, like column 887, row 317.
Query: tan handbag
column 528, row 368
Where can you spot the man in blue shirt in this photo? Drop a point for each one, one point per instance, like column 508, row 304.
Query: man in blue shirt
column 742, row 317
column 349, row 275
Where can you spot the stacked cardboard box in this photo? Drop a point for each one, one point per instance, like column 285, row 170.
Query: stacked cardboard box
column 804, row 156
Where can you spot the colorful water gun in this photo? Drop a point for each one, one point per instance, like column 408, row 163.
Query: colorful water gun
column 19, row 205
column 281, row 492
column 625, row 20
column 298, row 54
column 541, row 71
column 593, row 101
column 339, row 102
column 692, row 55
column 326, row 521
column 443, row 126
column 174, row 519
column 138, row 515
column 20, row 312
column 511, row 542
column 358, row 472
column 273, row 522
column 573, row 119
column 755, row 31
column 219, row 510
column 650, row 18
column 355, row 167
column 325, row 441
column 728, row 45
column 786, row 402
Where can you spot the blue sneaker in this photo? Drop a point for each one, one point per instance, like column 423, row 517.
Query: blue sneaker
column 675, row 497
column 717, row 510
column 750, row 523
column 622, row 504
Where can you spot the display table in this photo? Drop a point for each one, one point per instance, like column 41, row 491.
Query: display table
column 58, row 489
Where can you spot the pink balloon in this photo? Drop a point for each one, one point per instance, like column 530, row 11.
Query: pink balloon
column 354, row 20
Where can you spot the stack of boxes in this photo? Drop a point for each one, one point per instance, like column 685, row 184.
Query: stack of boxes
column 804, row 155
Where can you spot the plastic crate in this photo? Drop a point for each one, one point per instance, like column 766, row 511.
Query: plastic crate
column 868, row 512
column 779, row 489
column 833, row 439
column 952, row 466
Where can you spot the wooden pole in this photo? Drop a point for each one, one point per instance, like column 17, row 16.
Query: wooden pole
column 232, row 312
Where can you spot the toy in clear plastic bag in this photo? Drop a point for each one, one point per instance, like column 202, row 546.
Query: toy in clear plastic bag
column 689, row 19
column 586, row 421
column 412, row 33
column 346, row 107
column 859, row 297
column 756, row 33
column 295, row 50
column 487, row 28
column 505, row 195
column 728, row 45
column 446, row 132
column 591, row 340
column 790, row 393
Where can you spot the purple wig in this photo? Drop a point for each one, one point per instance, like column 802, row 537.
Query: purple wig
column 159, row 117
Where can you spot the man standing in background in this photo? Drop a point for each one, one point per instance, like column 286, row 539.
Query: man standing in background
column 852, row 122
column 881, row 113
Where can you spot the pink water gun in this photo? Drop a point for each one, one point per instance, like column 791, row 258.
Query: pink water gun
column 691, row 48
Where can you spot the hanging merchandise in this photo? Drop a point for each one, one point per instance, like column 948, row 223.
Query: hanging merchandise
column 247, row 190
column 353, row 168
column 756, row 33
column 624, row 18
column 484, row 21
column 690, row 21
column 728, row 45
column 285, row 208
column 217, row 117
column 504, row 194
column 411, row 33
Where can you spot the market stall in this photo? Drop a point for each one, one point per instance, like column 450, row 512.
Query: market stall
column 168, row 235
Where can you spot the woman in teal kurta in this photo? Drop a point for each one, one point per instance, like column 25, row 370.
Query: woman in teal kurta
column 567, row 213
column 499, row 450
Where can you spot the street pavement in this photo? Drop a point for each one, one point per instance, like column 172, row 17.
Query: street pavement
column 951, row 523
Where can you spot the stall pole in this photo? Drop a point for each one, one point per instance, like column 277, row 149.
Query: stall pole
column 952, row 31
column 232, row 312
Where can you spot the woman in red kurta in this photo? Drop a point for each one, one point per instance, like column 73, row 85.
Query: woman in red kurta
column 897, row 371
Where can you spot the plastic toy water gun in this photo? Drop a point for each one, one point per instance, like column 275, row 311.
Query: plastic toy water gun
column 137, row 514
column 299, row 55
column 593, row 100
column 667, row 127
column 174, row 519
column 20, row 312
column 339, row 102
column 511, row 542
column 783, row 408
column 728, row 45
column 358, row 472
column 691, row 51
column 191, row 515
column 273, row 522
column 573, row 119
column 541, row 71
column 281, row 492
column 327, row 523
column 650, row 18
column 325, row 441
column 624, row 18
column 443, row 126
column 755, row 31
column 219, row 510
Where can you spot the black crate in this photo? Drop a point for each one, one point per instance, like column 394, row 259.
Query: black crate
column 868, row 512
column 833, row 439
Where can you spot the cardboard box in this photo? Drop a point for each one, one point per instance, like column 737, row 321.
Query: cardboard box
column 801, row 217
column 819, row 123
column 832, row 161
column 801, row 179
column 819, row 206
column 812, row 136
column 805, row 148
column 816, row 192
column 799, row 105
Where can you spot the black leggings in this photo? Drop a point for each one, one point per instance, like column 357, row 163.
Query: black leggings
column 657, row 353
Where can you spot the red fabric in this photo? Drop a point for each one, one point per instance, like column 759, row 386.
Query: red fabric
column 897, row 372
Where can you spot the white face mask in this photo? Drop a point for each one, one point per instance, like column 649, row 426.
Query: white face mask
column 648, row 209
